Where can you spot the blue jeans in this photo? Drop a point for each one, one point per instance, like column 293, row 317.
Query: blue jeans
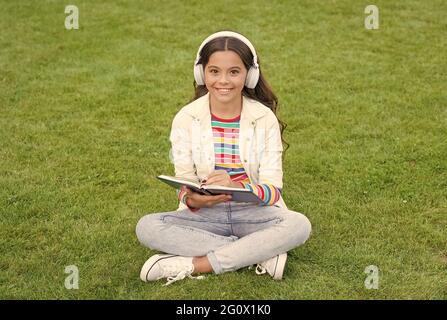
column 232, row 235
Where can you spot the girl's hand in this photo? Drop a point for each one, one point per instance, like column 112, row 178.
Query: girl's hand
column 196, row 200
column 221, row 178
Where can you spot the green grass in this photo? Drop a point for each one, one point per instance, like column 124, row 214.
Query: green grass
column 85, row 120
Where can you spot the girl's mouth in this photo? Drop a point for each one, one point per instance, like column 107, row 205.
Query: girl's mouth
column 223, row 90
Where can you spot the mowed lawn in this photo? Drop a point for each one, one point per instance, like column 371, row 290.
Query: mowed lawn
column 85, row 121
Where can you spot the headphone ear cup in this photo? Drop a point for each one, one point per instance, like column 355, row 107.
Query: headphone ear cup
column 198, row 74
column 252, row 78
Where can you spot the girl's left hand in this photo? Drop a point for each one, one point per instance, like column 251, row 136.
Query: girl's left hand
column 221, row 178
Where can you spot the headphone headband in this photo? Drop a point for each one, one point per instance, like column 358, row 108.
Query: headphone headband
column 231, row 34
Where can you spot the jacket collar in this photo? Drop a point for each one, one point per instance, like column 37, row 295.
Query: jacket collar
column 251, row 109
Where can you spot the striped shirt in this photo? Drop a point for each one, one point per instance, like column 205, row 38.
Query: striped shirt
column 226, row 151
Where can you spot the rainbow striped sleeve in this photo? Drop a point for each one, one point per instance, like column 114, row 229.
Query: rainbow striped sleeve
column 268, row 193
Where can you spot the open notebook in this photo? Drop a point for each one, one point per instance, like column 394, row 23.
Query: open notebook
column 237, row 194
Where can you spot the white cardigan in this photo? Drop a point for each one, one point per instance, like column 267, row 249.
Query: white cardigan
column 260, row 146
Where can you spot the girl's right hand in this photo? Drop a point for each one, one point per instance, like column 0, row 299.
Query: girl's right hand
column 196, row 200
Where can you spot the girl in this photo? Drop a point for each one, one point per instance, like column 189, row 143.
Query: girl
column 228, row 135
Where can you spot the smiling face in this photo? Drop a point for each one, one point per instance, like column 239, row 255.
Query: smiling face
column 225, row 75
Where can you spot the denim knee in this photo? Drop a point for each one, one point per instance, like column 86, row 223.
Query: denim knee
column 300, row 228
column 146, row 230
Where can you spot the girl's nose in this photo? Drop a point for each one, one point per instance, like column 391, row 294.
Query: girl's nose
column 223, row 79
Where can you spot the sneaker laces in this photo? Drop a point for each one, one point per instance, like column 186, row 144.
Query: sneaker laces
column 180, row 276
column 260, row 269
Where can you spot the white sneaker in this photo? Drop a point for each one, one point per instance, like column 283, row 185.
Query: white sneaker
column 274, row 266
column 169, row 266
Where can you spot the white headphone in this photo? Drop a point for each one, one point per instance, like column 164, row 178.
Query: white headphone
column 253, row 73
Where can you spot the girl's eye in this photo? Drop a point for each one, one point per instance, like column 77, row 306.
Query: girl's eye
column 234, row 72
column 213, row 71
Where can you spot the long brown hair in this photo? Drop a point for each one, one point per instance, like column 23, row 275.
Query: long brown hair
column 262, row 92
